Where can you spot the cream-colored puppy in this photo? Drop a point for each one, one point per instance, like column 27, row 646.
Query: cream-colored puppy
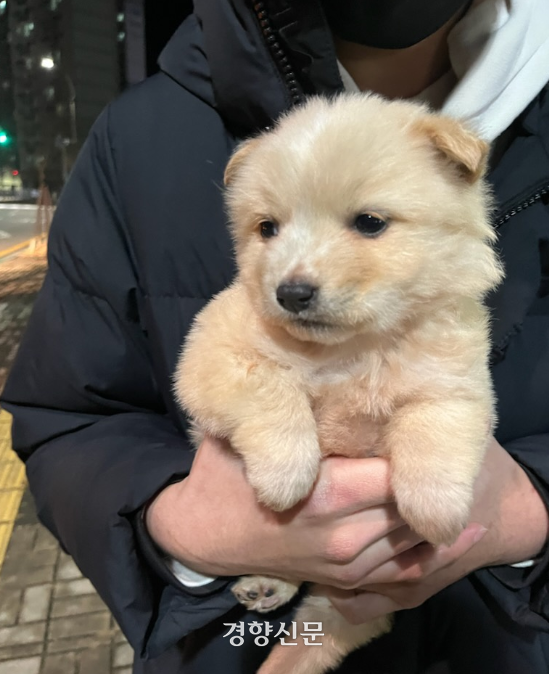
column 355, row 325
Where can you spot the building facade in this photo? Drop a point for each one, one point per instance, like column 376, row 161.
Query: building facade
column 68, row 60
column 9, row 163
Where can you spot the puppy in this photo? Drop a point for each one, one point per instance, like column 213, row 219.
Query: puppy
column 355, row 325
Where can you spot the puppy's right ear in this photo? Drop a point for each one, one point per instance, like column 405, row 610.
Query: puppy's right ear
column 237, row 159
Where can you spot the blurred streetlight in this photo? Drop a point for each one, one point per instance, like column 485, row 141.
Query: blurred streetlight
column 47, row 62
column 62, row 142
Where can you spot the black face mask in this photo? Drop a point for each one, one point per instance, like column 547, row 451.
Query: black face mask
column 389, row 24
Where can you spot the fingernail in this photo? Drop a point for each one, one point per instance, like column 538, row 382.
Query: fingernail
column 479, row 534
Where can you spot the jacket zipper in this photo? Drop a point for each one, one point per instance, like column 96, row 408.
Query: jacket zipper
column 283, row 63
column 537, row 196
column 498, row 351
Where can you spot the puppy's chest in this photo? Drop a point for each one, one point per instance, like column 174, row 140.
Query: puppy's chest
column 351, row 408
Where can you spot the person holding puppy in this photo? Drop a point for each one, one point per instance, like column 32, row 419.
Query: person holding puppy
column 162, row 533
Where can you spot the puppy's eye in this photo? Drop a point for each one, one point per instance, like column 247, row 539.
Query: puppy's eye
column 268, row 229
column 369, row 225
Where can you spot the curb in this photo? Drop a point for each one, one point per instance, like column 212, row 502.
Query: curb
column 14, row 249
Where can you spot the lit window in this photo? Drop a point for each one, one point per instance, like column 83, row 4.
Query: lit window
column 3, row 4
column 54, row 4
column 49, row 93
column 119, row 17
column 27, row 28
column 121, row 36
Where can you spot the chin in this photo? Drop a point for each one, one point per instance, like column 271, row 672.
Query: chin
column 318, row 332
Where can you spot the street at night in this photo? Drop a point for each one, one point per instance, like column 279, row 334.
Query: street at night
column 17, row 224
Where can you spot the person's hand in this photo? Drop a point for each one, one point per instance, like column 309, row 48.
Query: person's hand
column 213, row 523
column 511, row 524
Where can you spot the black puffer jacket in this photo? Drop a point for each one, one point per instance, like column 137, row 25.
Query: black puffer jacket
column 139, row 244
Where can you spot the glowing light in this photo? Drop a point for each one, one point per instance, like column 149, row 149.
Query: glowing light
column 47, row 62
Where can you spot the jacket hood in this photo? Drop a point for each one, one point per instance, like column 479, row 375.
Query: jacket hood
column 252, row 60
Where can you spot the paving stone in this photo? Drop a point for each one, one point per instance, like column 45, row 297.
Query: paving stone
column 22, row 539
column 123, row 655
column 67, row 569
column 10, row 603
column 64, row 663
column 23, row 666
column 95, row 661
column 78, row 643
column 119, row 637
column 18, row 652
column 77, row 606
column 76, row 626
column 36, row 602
column 22, row 634
column 45, row 540
column 30, row 559
column 71, row 588
column 27, row 511
column 37, row 576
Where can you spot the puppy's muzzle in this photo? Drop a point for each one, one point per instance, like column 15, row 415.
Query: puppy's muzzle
column 296, row 297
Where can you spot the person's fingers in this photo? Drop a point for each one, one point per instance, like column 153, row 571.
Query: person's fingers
column 421, row 561
column 386, row 549
column 359, row 606
column 350, row 570
column 346, row 486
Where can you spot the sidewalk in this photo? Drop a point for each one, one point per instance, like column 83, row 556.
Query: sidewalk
column 51, row 620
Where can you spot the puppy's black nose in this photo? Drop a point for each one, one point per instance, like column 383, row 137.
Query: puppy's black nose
column 295, row 297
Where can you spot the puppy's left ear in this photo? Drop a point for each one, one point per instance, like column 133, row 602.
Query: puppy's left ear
column 457, row 144
column 237, row 159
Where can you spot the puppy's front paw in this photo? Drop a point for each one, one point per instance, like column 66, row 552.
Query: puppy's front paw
column 282, row 478
column 262, row 594
column 437, row 511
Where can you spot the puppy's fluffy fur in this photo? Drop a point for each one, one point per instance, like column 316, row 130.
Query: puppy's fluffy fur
column 389, row 358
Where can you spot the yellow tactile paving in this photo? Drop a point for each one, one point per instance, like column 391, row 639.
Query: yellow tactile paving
column 12, row 484
column 9, row 505
column 11, row 472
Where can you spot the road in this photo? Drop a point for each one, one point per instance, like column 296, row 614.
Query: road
column 17, row 223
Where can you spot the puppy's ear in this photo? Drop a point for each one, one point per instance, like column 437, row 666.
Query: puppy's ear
column 458, row 144
column 238, row 157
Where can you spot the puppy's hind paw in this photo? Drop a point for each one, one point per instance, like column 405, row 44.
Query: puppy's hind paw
column 262, row 594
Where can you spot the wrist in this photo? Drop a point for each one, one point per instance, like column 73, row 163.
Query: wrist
column 163, row 519
column 523, row 526
column 181, row 533
column 535, row 518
